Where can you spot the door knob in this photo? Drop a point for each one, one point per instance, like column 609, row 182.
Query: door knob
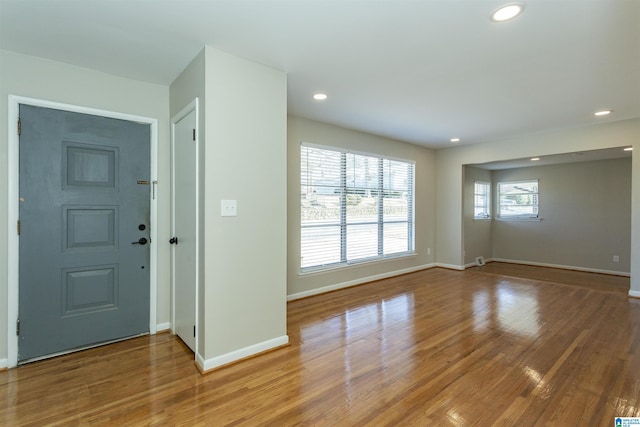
column 141, row 241
column 173, row 240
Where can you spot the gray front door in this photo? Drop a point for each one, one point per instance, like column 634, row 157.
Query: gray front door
column 84, row 238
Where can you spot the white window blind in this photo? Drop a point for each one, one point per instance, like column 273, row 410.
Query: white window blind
column 518, row 199
column 354, row 207
column 482, row 200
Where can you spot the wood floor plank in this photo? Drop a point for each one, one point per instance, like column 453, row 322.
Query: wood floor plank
column 436, row 347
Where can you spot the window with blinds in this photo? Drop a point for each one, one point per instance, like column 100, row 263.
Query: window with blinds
column 481, row 200
column 518, row 200
column 354, row 207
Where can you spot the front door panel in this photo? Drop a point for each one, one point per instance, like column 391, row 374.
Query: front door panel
column 83, row 195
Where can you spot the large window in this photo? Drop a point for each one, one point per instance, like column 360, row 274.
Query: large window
column 354, row 207
column 481, row 200
column 518, row 200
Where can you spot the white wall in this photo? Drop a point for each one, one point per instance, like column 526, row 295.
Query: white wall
column 304, row 130
column 189, row 85
column 243, row 124
column 245, row 152
column 32, row 77
column 245, row 158
column 449, row 178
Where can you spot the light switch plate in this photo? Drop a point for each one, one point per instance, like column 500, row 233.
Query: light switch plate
column 228, row 207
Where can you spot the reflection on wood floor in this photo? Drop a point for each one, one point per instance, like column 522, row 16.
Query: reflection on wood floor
column 436, row 347
column 603, row 282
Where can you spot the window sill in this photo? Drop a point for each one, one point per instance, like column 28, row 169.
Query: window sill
column 310, row 271
column 519, row 219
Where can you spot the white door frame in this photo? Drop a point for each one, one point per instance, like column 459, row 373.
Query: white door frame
column 192, row 106
column 13, row 173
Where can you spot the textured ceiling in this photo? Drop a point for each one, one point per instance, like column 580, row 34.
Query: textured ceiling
column 418, row 71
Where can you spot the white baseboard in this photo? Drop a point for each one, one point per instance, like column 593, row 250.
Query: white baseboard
column 475, row 264
column 452, row 266
column 564, row 267
column 200, row 361
column 634, row 294
column 360, row 281
column 161, row 327
column 4, row 363
column 234, row 356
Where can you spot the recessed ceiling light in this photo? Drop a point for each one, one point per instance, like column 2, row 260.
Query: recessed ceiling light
column 628, row 149
column 535, row 159
column 603, row 113
column 455, row 140
column 507, row 12
column 320, row 96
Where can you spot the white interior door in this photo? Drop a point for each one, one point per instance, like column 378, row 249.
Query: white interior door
column 184, row 237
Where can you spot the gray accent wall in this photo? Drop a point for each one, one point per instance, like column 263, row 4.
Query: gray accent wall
column 584, row 219
column 477, row 232
column 450, row 184
column 585, row 216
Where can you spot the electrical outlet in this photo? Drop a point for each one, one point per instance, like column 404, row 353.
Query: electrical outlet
column 428, row 251
column 616, row 258
column 228, row 208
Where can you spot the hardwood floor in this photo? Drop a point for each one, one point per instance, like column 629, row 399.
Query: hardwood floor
column 602, row 282
column 436, row 347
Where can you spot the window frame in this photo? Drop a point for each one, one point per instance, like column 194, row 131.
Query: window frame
column 487, row 205
column 345, row 189
column 522, row 216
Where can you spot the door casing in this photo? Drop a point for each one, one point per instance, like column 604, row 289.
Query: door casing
column 13, row 161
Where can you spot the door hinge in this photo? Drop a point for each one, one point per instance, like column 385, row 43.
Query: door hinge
column 19, row 126
column 18, row 327
column 194, row 331
column 18, row 227
column 194, row 134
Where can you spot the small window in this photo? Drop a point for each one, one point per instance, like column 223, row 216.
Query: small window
column 482, row 200
column 518, row 199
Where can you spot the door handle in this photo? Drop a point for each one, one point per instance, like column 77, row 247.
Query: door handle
column 141, row 241
column 173, row 240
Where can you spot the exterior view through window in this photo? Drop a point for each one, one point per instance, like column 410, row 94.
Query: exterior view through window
column 354, row 207
column 518, row 199
column 482, row 200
